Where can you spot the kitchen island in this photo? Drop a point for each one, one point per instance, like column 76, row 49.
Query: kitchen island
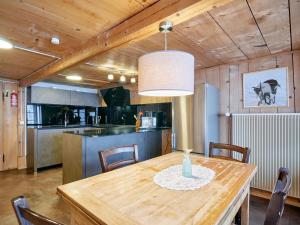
column 44, row 144
column 80, row 148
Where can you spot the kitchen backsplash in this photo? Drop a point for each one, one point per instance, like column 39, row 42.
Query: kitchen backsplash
column 48, row 114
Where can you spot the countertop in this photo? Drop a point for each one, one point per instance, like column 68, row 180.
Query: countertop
column 46, row 127
column 126, row 129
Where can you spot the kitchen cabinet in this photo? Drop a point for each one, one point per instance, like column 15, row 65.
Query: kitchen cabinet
column 42, row 95
column 44, row 146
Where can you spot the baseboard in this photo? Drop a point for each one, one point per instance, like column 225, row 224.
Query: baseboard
column 267, row 195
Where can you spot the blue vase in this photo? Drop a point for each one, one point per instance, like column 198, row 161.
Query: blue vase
column 187, row 165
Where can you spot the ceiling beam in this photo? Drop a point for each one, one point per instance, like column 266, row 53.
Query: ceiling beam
column 137, row 27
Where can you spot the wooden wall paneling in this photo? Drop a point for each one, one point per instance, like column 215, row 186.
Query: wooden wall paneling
column 273, row 20
column 213, row 76
column 287, row 61
column 1, row 127
column 243, row 68
column 258, row 65
column 245, row 32
column 10, row 127
column 200, row 77
column 296, row 62
column 224, row 102
column 295, row 21
column 234, row 91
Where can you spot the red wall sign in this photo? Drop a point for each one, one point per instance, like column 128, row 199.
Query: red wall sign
column 14, row 99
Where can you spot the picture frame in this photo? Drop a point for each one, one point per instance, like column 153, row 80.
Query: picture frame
column 266, row 88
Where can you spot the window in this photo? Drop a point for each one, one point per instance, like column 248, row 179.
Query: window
column 33, row 114
column 30, row 114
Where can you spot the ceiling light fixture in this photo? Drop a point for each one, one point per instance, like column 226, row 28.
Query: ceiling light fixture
column 55, row 40
column 122, row 79
column 74, row 77
column 110, row 76
column 5, row 44
column 133, row 80
column 167, row 72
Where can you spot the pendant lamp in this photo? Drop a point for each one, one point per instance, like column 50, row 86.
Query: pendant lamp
column 166, row 72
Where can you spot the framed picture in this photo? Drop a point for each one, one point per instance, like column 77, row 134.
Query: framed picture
column 267, row 88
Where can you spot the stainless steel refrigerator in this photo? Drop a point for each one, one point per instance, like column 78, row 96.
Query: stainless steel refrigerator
column 195, row 119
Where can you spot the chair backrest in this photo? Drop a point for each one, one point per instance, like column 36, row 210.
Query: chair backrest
column 231, row 149
column 27, row 217
column 280, row 192
column 104, row 156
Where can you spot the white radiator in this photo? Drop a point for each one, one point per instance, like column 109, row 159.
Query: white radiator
column 274, row 141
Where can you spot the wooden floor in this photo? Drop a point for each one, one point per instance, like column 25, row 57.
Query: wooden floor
column 41, row 193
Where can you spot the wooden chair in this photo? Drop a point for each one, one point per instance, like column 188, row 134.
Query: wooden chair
column 280, row 192
column 106, row 154
column 27, row 217
column 231, row 149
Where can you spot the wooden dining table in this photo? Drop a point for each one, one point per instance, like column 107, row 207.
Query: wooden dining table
column 128, row 196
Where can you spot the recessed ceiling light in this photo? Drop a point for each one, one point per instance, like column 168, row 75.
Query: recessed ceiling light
column 133, row 80
column 5, row 44
column 110, row 76
column 122, row 79
column 74, row 77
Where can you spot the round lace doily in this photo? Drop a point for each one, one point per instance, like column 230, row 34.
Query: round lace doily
column 171, row 178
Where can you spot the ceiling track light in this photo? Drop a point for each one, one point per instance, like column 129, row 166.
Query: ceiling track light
column 110, row 76
column 122, row 79
column 133, row 80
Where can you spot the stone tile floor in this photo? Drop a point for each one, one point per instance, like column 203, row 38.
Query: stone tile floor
column 41, row 193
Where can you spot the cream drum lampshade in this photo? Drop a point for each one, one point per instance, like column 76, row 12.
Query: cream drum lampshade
column 166, row 73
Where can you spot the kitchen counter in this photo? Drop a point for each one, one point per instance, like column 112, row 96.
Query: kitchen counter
column 47, row 127
column 81, row 149
column 45, row 144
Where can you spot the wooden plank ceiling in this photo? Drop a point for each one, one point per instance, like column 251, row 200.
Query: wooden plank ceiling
column 239, row 30
column 30, row 24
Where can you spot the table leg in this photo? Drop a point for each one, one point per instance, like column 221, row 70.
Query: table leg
column 245, row 210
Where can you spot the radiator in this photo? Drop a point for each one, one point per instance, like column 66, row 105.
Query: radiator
column 274, row 140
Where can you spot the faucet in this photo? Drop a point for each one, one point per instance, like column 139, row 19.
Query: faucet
column 122, row 118
column 66, row 121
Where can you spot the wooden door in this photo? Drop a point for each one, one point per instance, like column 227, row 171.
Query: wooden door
column 9, row 127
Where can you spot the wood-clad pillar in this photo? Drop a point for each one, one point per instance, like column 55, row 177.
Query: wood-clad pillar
column 9, row 127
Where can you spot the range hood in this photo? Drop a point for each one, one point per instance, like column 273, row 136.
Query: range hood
column 117, row 96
